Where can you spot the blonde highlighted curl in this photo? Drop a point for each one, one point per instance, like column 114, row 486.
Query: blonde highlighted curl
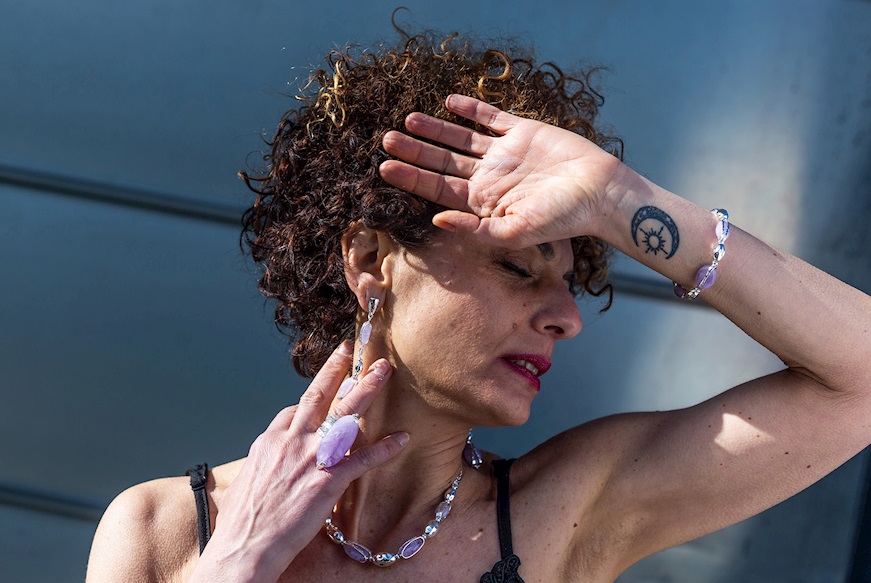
column 322, row 171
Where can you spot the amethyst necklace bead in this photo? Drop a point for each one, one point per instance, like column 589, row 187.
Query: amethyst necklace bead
column 407, row 549
column 472, row 454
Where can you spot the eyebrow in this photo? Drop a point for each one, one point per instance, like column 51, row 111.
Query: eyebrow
column 546, row 250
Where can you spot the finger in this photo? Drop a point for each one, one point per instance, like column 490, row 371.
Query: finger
column 283, row 419
column 448, row 191
column 315, row 401
column 370, row 456
column 359, row 399
column 507, row 231
column 456, row 221
column 447, row 133
column 482, row 113
column 428, row 156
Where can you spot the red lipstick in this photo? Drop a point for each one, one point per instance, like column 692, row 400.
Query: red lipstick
column 529, row 366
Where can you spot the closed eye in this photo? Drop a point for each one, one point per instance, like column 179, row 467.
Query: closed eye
column 515, row 269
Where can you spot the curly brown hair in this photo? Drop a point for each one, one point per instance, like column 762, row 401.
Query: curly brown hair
column 322, row 170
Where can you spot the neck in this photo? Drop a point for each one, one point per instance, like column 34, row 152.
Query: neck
column 395, row 501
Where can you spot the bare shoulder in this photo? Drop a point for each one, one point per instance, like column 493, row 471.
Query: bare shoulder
column 148, row 533
column 583, row 458
column 564, row 482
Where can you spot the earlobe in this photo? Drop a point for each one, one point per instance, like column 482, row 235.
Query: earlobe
column 366, row 254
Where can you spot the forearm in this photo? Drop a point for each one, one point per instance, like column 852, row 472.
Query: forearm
column 815, row 323
column 233, row 563
column 535, row 183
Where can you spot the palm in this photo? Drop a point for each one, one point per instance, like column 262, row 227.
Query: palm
column 533, row 183
column 527, row 178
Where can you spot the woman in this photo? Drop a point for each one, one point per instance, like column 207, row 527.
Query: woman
column 454, row 325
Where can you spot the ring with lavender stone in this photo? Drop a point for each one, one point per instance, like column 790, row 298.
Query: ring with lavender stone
column 337, row 440
column 326, row 425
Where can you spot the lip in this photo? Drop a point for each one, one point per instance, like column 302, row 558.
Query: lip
column 542, row 363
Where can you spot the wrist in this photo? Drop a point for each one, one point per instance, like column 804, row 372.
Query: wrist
column 226, row 561
column 608, row 205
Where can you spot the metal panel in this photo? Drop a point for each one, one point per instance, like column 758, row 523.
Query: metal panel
column 121, row 323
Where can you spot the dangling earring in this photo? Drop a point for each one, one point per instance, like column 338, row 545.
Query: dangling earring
column 365, row 333
column 472, row 454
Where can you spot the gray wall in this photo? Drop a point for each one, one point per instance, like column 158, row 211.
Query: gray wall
column 120, row 320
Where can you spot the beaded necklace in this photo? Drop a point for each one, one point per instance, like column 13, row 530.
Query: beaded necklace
column 407, row 549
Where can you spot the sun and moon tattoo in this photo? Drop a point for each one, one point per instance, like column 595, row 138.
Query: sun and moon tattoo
column 656, row 230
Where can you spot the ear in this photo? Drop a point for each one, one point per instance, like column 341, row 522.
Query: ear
column 368, row 258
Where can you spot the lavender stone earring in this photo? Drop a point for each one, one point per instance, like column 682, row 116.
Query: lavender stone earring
column 365, row 333
column 338, row 435
column 472, row 454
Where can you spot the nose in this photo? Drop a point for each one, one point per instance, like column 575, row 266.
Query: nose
column 559, row 315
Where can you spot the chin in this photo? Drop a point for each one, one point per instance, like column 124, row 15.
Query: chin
column 505, row 416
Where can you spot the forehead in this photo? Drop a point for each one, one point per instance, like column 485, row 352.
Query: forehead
column 449, row 246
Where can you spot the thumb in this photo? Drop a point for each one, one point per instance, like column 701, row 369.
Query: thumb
column 453, row 220
column 508, row 231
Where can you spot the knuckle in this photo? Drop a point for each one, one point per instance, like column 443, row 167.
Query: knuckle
column 440, row 189
column 367, row 457
column 341, row 410
column 440, row 133
column 336, row 362
column 446, row 161
column 288, row 411
column 313, row 397
column 470, row 142
column 259, row 444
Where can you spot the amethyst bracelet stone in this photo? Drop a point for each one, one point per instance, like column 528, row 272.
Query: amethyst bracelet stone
column 707, row 274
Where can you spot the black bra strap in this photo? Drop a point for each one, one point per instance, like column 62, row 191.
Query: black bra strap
column 501, row 468
column 199, row 476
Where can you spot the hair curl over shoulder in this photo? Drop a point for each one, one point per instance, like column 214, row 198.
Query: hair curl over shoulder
column 322, row 171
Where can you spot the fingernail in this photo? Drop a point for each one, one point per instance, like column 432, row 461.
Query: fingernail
column 402, row 438
column 345, row 348
column 346, row 387
column 445, row 226
column 379, row 367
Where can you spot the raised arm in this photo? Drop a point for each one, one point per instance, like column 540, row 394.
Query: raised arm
column 680, row 474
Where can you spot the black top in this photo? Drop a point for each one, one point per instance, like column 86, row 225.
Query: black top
column 504, row 571
column 198, row 475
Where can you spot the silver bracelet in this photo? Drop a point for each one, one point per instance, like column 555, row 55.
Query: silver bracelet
column 707, row 274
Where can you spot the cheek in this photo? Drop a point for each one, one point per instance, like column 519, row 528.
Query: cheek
column 449, row 321
column 442, row 330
